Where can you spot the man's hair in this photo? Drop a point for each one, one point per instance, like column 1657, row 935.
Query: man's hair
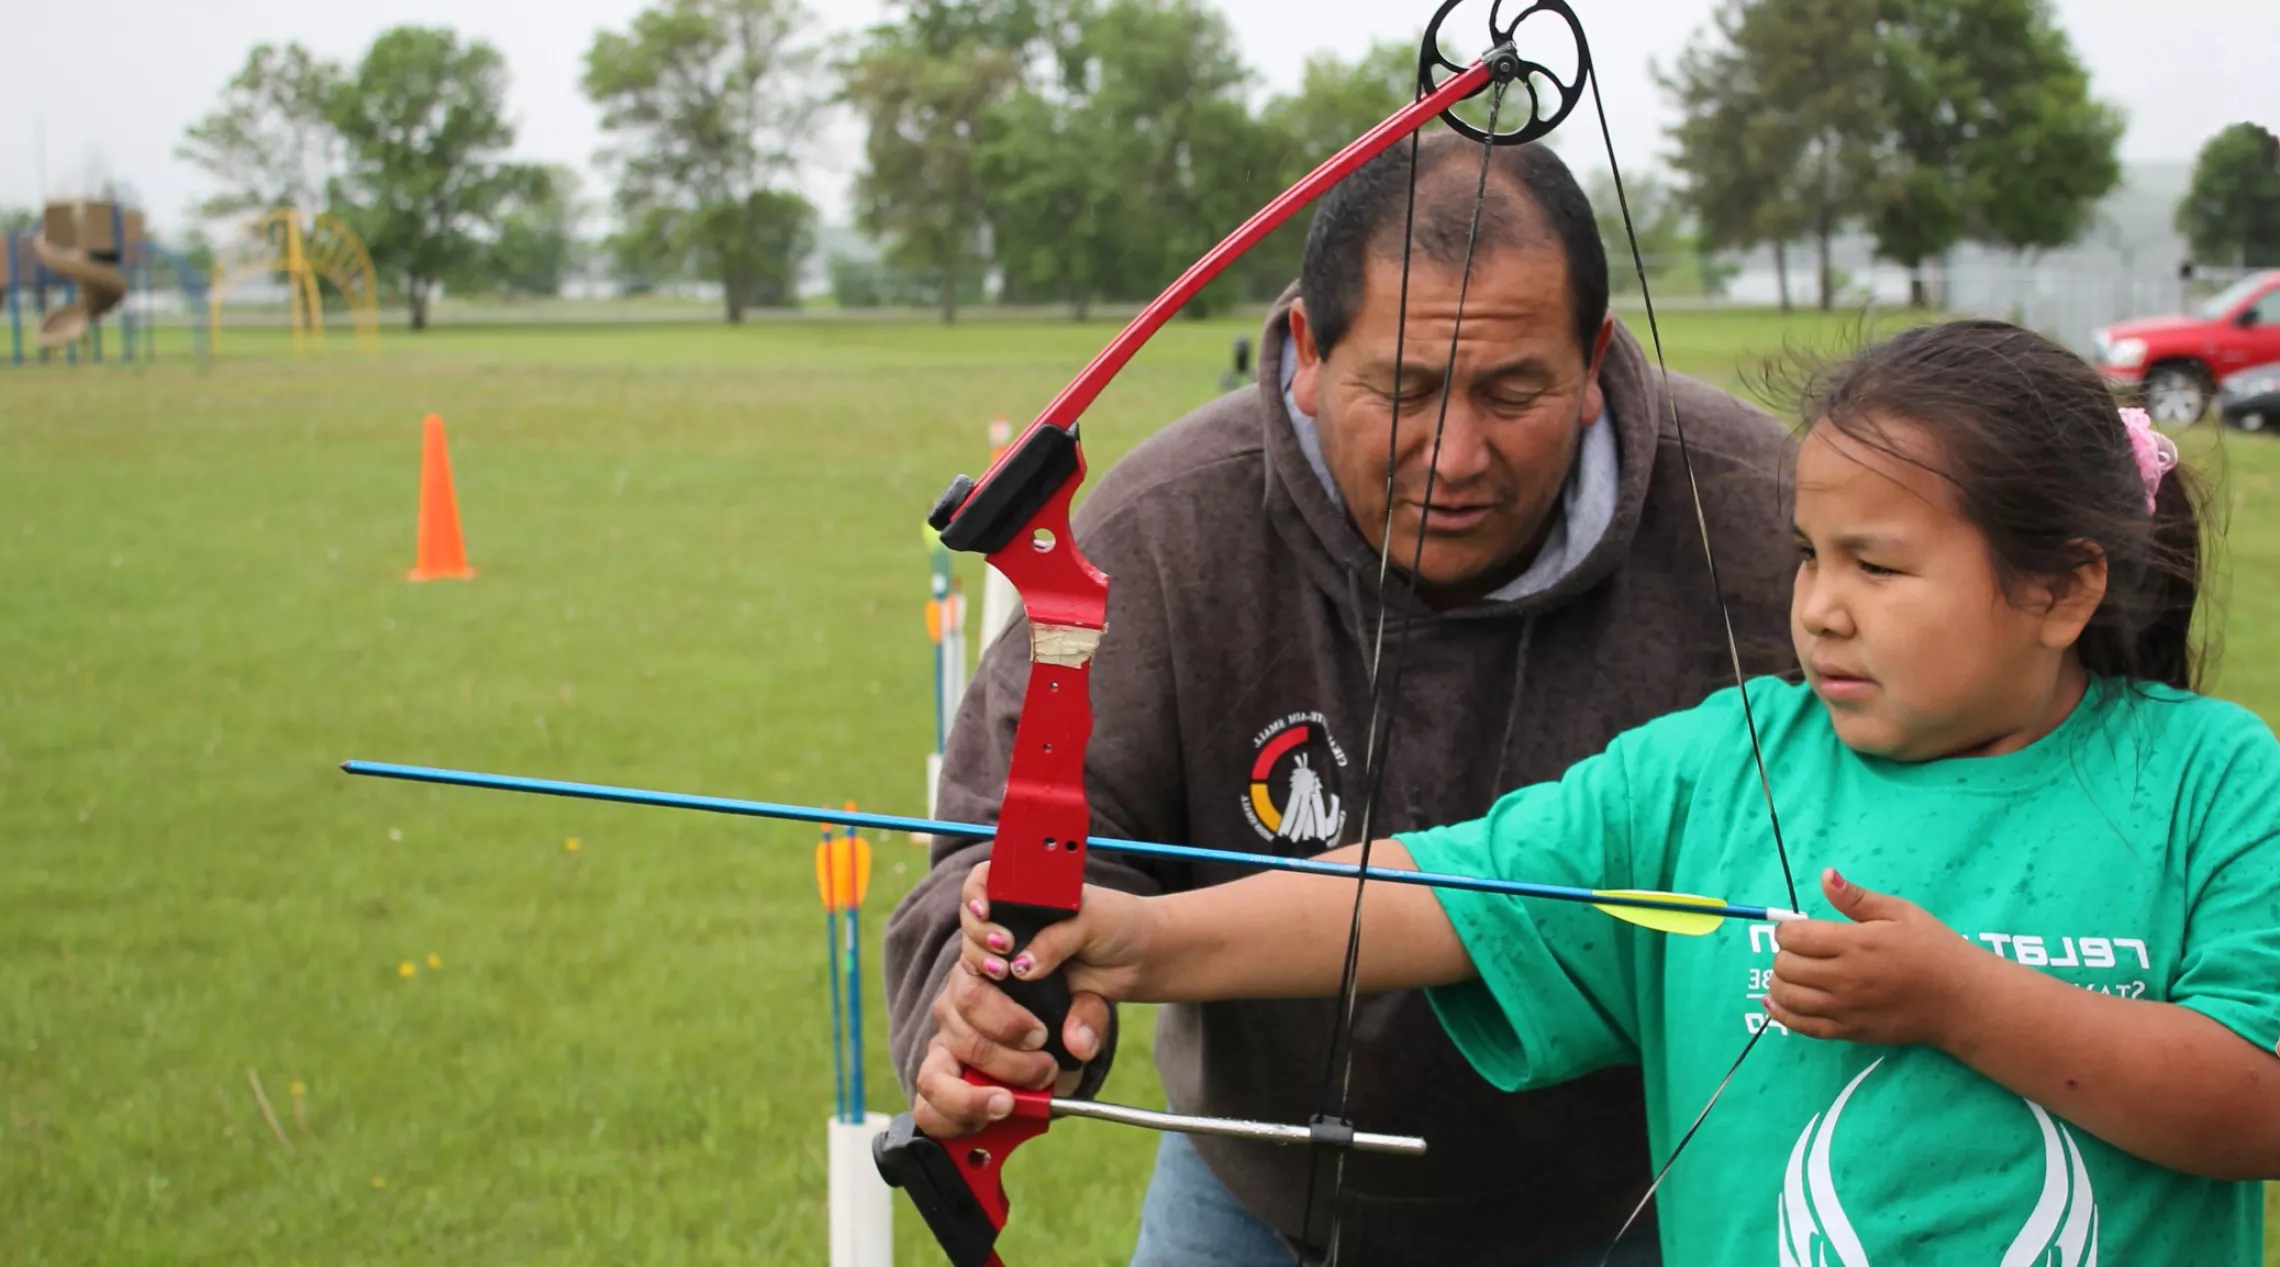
column 1530, row 195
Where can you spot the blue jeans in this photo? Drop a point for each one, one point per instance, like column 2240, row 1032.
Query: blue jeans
column 1190, row 1219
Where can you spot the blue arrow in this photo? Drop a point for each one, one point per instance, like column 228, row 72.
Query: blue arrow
column 1612, row 901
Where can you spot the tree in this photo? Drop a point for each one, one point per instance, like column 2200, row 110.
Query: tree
column 711, row 100
column 2231, row 212
column 537, row 245
column 426, row 182
column 1779, row 120
column 1107, row 182
column 1815, row 62
column 1658, row 217
column 921, row 188
column 1992, row 132
column 1053, row 205
column 271, row 142
column 1336, row 101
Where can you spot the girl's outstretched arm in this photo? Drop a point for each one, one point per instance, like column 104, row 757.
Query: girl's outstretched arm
column 1269, row 936
column 2158, row 1080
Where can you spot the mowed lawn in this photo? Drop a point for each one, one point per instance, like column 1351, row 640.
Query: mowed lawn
column 701, row 570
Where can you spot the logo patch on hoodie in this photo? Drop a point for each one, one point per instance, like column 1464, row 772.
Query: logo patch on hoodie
column 1295, row 782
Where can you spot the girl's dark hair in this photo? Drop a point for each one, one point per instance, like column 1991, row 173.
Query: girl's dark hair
column 2034, row 444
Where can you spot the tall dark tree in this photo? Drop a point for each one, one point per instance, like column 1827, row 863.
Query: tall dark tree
column 2230, row 215
column 427, row 180
column 1779, row 120
column 710, row 101
column 922, row 189
column 1108, row 180
column 1992, row 133
column 271, row 141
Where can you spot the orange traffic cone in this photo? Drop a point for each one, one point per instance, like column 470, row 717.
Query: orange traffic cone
column 441, row 555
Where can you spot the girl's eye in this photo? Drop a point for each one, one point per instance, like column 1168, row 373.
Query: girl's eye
column 1805, row 553
column 1876, row 570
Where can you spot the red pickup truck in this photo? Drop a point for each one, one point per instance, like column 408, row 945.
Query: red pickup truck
column 2175, row 362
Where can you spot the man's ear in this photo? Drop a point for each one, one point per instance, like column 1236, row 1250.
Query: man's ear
column 2067, row 604
column 1594, row 397
column 1305, row 384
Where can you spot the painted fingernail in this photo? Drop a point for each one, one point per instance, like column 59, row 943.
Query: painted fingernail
column 1022, row 963
column 998, row 941
column 993, row 965
column 980, row 911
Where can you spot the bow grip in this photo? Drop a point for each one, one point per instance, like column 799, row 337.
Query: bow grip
column 1047, row 998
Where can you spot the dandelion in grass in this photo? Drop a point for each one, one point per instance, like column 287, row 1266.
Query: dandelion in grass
column 435, row 960
column 405, row 969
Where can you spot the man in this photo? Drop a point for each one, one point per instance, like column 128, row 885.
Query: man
column 1561, row 598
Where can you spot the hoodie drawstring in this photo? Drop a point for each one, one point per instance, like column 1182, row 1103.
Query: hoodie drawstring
column 1512, row 714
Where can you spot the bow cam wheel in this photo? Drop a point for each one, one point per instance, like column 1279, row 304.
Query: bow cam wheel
column 1551, row 95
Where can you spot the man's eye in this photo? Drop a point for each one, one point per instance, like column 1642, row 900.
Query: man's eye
column 1806, row 553
column 1875, row 569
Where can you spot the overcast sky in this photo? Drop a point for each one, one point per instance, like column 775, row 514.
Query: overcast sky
column 112, row 83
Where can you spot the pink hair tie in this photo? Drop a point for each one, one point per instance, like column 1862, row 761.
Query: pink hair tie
column 2156, row 453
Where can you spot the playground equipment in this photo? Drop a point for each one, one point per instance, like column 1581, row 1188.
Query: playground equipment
column 275, row 242
column 94, row 258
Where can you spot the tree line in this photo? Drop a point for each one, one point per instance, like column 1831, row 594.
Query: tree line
column 1082, row 152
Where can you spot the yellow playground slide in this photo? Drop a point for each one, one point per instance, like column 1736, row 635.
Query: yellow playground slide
column 101, row 282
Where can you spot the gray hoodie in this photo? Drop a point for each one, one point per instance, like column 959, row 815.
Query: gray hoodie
column 1230, row 698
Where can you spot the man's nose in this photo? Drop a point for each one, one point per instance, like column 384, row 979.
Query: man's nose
column 1463, row 453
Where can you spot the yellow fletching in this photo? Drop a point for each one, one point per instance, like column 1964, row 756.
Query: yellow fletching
column 862, row 872
column 823, row 884
column 1662, row 919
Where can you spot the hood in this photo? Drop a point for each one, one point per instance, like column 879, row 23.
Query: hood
column 1341, row 563
column 2142, row 327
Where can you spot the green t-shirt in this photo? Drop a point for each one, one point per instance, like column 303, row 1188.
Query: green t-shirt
column 2134, row 851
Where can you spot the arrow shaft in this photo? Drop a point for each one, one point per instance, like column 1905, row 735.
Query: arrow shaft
column 978, row 831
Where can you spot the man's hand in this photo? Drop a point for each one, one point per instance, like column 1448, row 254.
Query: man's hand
column 978, row 1027
column 1894, row 975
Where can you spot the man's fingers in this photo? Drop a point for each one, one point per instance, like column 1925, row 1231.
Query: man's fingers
column 990, row 1033
column 1087, row 1021
column 946, row 1104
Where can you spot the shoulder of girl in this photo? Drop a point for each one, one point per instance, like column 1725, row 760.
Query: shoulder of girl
column 2187, row 719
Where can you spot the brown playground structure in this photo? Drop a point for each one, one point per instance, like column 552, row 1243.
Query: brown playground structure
column 91, row 255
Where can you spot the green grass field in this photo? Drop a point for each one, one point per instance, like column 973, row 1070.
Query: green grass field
column 701, row 570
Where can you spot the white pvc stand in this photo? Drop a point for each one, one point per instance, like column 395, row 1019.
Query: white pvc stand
column 999, row 602
column 862, row 1205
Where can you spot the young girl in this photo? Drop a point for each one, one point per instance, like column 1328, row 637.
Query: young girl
column 2035, row 1019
